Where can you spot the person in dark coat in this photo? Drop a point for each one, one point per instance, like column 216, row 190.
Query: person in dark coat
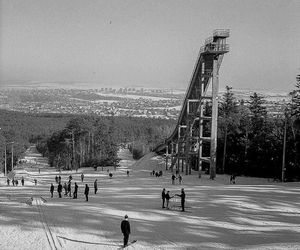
column 59, row 189
column 163, row 196
column 182, row 195
column 95, row 186
column 168, row 197
column 56, row 179
column 66, row 188
column 75, row 191
column 82, row 177
column 17, row 182
column 51, row 190
column 22, row 181
column 69, row 188
column 59, row 178
column 86, row 192
column 173, row 179
column 8, row 180
column 180, row 179
column 125, row 228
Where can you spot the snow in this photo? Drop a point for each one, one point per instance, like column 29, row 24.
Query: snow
column 252, row 214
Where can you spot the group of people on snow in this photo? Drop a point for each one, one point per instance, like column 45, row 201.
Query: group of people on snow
column 174, row 178
column 67, row 188
column 166, row 197
column 156, row 173
column 15, row 182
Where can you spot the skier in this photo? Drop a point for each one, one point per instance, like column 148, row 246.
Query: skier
column 8, row 180
column 86, row 192
column 163, row 196
column 22, row 181
column 13, row 181
column 125, row 228
column 82, row 177
column 95, row 186
column 127, row 173
column 56, row 179
column 59, row 189
column 75, row 191
column 59, row 178
column 182, row 195
column 17, row 182
column 173, row 179
column 51, row 190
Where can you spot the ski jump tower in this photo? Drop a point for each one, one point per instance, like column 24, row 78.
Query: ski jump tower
column 193, row 142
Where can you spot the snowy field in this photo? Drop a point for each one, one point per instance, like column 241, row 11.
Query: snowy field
column 252, row 214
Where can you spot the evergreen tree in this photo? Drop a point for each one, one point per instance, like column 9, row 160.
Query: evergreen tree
column 229, row 119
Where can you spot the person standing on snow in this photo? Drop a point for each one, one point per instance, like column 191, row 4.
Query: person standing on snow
column 95, row 186
column 86, row 192
column 51, row 190
column 66, row 189
column 125, row 228
column 182, row 195
column 59, row 189
column 180, row 179
column 82, row 177
column 22, row 181
column 168, row 197
column 69, row 188
column 75, row 191
column 173, row 179
column 163, row 196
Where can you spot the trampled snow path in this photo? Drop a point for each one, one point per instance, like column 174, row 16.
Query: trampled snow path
column 253, row 214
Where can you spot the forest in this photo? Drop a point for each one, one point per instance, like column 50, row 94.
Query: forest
column 251, row 141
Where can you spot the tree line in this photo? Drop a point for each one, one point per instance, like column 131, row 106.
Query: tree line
column 254, row 143
column 73, row 141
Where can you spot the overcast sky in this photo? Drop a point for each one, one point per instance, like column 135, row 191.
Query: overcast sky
column 148, row 43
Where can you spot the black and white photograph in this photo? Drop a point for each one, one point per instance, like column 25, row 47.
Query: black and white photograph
column 149, row 124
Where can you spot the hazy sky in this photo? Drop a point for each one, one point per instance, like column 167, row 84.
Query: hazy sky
column 148, row 43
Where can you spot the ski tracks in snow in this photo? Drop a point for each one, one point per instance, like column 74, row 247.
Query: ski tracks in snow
column 54, row 243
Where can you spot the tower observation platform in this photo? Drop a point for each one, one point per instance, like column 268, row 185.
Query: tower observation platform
column 193, row 143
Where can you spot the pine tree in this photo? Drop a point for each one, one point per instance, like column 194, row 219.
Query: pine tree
column 228, row 113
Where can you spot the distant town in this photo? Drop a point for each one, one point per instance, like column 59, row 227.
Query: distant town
column 132, row 102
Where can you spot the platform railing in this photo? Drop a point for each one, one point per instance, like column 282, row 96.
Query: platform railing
column 211, row 48
column 221, row 33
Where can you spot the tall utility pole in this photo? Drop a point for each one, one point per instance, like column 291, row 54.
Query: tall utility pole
column 12, row 156
column 5, row 161
column 284, row 149
column 214, row 117
column 73, row 151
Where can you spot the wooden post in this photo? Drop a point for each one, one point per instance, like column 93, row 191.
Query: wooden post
column 214, row 120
